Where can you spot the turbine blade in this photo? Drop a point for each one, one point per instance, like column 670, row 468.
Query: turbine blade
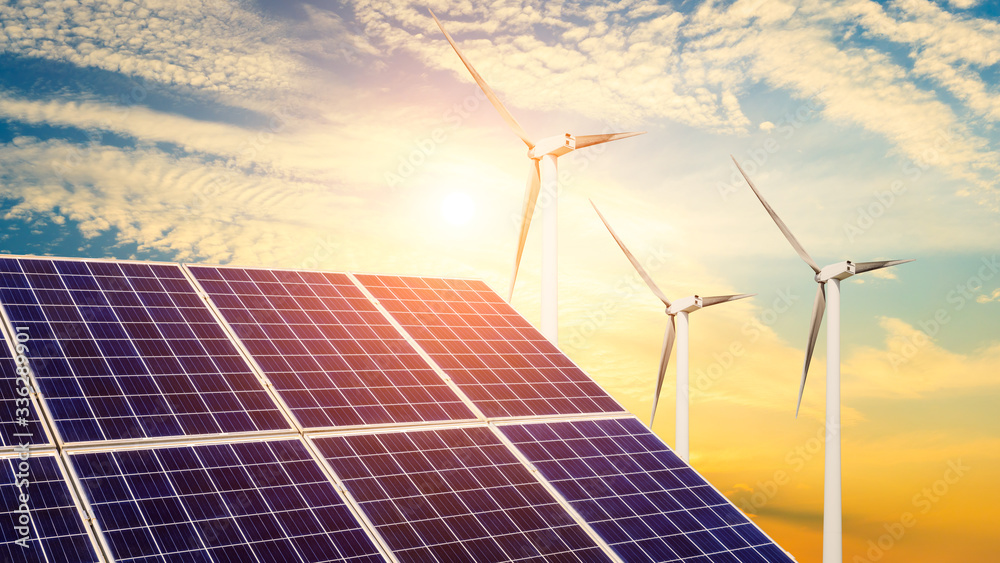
column 862, row 267
column 668, row 344
column 511, row 122
column 589, row 140
column 635, row 263
column 819, row 307
column 781, row 224
column 709, row 301
column 530, row 197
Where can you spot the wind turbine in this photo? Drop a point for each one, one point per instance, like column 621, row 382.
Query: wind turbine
column 828, row 276
column 677, row 310
column 543, row 171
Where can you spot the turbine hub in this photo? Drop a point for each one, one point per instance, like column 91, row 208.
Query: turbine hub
column 685, row 305
column 556, row 146
column 839, row 271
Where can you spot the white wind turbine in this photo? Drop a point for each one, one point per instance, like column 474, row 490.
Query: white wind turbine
column 543, row 171
column 828, row 276
column 677, row 310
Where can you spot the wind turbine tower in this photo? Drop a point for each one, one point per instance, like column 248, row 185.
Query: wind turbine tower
column 678, row 312
column 827, row 277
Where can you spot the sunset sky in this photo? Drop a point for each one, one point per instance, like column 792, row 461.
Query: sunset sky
column 347, row 136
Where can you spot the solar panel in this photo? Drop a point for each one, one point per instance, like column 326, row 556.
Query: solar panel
column 45, row 525
column 455, row 494
column 331, row 355
column 492, row 353
column 638, row 495
column 150, row 377
column 129, row 350
column 20, row 425
column 261, row 502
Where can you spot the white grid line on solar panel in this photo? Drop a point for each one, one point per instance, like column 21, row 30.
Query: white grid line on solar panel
column 14, row 433
column 454, row 494
column 131, row 337
column 332, row 357
column 476, row 412
column 493, row 354
column 56, row 532
column 639, row 496
column 260, row 496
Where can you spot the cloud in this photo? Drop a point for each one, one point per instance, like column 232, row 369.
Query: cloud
column 697, row 68
column 991, row 298
column 618, row 63
column 945, row 47
column 186, row 207
column 911, row 364
column 210, row 45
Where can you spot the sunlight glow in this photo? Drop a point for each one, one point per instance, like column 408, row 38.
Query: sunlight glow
column 457, row 208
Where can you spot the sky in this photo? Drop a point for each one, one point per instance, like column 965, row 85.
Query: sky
column 347, row 136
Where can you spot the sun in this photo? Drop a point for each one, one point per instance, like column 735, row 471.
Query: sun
column 457, row 208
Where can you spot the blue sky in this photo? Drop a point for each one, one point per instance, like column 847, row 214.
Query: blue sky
column 330, row 134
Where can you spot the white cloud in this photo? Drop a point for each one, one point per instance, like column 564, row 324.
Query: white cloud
column 695, row 69
column 964, row 4
column 991, row 298
column 209, row 45
column 910, row 363
column 183, row 206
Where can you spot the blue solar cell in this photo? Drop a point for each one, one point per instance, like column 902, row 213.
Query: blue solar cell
column 492, row 353
column 54, row 530
column 638, row 495
column 333, row 358
column 20, row 425
column 110, row 367
column 266, row 501
column 455, row 495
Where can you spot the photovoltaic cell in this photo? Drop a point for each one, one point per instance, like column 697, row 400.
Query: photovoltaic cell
column 129, row 350
column 20, row 425
column 492, row 353
column 639, row 496
column 262, row 502
column 55, row 530
column 455, row 495
column 330, row 354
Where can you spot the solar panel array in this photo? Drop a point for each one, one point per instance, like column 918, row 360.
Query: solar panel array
column 494, row 355
column 195, row 413
column 638, row 495
column 333, row 358
column 41, row 522
column 455, row 495
column 259, row 501
column 20, row 426
column 127, row 350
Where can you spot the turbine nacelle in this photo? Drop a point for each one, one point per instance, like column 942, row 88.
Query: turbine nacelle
column 686, row 305
column 556, row 146
column 838, row 271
